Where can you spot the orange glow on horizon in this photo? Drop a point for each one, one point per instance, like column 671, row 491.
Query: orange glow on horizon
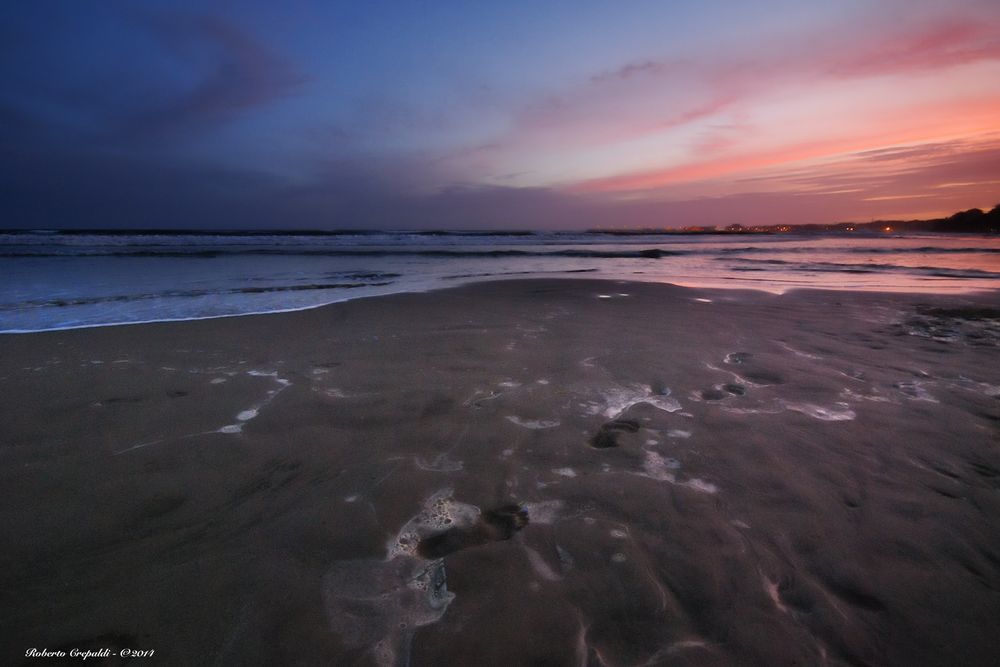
column 971, row 121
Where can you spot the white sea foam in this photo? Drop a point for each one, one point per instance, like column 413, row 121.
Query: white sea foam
column 253, row 412
column 534, row 424
column 799, row 353
column 377, row 604
column 241, row 418
column 700, row 485
column 656, row 467
column 662, row 469
column 564, row 472
column 771, row 589
column 544, row 511
column 440, row 463
column 875, row 398
column 677, row 647
column 753, row 411
column 914, row 390
column 841, row 412
column 991, row 390
column 616, row 400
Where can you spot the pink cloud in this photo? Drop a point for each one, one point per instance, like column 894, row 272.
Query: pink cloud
column 929, row 47
column 713, row 105
column 923, row 125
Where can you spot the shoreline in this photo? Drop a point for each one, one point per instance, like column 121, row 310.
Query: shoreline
column 971, row 292
column 515, row 471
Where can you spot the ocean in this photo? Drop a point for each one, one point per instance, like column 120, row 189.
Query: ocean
column 60, row 280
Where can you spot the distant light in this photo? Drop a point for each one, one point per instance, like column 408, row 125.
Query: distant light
column 887, row 229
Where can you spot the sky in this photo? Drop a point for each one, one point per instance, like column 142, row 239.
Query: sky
column 512, row 115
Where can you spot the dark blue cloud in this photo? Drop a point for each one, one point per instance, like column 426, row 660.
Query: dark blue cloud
column 235, row 73
column 165, row 76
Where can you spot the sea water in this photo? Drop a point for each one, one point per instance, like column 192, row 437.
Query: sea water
column 54, row 280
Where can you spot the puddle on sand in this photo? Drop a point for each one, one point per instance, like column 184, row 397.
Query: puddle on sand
column 379, row 603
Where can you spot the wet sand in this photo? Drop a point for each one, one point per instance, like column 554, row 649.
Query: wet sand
column 530, row 472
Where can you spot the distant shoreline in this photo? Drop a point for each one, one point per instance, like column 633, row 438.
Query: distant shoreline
column 972, row 221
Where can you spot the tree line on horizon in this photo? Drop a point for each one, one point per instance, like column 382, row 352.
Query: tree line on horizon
column 971, row 221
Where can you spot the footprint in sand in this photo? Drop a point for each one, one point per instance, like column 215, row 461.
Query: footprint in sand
column 376, row 605
column 607, row 436
column 493, row 526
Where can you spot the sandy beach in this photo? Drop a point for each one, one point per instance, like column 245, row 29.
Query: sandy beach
column 559, row 472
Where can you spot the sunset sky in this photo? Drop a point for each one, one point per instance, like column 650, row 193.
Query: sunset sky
column 562, row 115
